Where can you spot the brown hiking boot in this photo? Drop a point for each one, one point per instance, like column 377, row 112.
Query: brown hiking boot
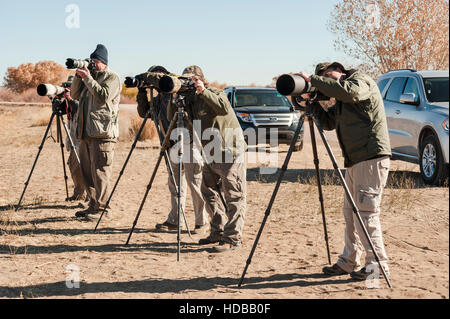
column 166, row 226
column 334, row 270
column 209, row 240
column 87, row 213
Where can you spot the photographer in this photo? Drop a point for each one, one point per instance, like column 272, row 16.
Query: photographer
column 360, row 123
column 226, row 163
column 97, row 128
column 191, row 172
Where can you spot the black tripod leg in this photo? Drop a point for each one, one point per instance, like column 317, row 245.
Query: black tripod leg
column 275, row 192
column 36, row 159
column 349, row 196
column 133, row 146
column 61, row 143
column 319, row 185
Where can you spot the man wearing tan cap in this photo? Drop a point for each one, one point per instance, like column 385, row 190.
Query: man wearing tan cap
column 360, row 122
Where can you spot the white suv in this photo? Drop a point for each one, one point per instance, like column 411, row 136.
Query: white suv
column 416, row 104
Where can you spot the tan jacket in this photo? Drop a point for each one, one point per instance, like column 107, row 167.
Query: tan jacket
column 98, row 113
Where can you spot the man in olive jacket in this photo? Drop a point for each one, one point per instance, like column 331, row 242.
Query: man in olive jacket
column 97, row 127
column 360, row 122
column 224, row 147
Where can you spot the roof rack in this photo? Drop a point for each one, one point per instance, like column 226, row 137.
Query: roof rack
column 412, row 70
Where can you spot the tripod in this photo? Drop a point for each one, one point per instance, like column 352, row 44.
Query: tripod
column 164, row 153
column 312, row 120
column 180, row 117
column 58, row 113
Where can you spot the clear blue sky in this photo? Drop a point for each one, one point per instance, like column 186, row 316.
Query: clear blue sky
column 235, row 42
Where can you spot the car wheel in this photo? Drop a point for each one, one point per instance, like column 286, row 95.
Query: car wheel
column 432, row 166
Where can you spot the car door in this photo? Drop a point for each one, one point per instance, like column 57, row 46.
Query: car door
column 391, row 104
column 409, row 117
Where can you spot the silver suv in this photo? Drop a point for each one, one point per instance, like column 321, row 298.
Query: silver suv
column 416, row 105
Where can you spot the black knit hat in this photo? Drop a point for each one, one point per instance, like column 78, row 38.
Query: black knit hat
column 100, row 53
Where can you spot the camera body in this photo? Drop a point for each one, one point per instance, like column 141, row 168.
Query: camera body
column 79, row 64
column 180, row 85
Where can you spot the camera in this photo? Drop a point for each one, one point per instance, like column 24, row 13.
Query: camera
column 79, row 64
column 135, row 82
column 58, row 102
column 181, row 85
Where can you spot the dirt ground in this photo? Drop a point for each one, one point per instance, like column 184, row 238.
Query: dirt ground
column 40, row 244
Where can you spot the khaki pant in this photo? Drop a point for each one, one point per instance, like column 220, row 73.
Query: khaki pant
column 366, row 182
column 75, row 172
column 232, row 180
column 191, row 175
column 96, row 167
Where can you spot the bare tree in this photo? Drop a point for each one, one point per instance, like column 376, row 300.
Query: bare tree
column 388, row 34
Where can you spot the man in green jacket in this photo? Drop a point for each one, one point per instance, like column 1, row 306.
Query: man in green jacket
column 97, row 127
column 360, row 122
column 224, row 147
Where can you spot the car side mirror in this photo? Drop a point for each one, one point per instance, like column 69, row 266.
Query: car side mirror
column 409, row 98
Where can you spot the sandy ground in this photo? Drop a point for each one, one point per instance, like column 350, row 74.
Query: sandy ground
column 43, row 241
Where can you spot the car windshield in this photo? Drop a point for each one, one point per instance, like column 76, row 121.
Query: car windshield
column 260, row 98
column 436, row 89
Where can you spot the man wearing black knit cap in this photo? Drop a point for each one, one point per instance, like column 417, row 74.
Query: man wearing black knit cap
column 97, row 127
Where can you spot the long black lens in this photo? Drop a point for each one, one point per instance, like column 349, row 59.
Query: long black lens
column 167, row 84
column 293, row 85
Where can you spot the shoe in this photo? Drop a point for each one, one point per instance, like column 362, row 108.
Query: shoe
column 199, row 229
column 223, row 247
column 166, row 226
column 75, row 197
column 87, row 213
column 334, row 270
column 363, row 274
column 209, row 240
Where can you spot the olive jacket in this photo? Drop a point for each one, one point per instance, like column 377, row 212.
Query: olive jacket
column 358, row 116
column 99, row 97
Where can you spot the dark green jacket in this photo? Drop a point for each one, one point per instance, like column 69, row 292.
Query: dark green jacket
column 358, row 116
column 214, row 111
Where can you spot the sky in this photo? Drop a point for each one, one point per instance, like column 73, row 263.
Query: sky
column 234, row 42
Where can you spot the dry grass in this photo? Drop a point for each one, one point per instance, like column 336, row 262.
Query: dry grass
column 148, row 133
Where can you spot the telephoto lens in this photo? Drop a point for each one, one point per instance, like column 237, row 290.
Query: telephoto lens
column 293, row 85
column 181, row 85
column 49, row 89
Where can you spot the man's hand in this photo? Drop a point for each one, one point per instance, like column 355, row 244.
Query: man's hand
column 199, row 85
column 67, row 94
column 83, row 73
column 305, row 75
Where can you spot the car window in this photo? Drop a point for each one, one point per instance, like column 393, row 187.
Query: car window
column 396, row 89
column 411, row 87
column 436, row 89
column 260, row 98
column 229, row 97
column 382, row 84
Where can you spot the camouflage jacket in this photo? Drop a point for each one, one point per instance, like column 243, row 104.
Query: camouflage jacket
column 358, row 116
column 98, row 96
